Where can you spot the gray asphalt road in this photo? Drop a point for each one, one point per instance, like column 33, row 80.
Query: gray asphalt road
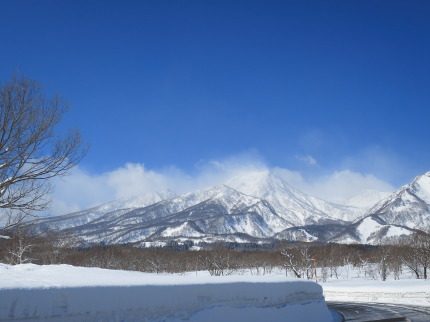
column 368, row 312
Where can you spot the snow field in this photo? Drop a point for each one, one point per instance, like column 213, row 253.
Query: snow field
column 67, row 293
column 355, row 284
column 409, row 292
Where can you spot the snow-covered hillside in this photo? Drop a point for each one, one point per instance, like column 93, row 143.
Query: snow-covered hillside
column 409, row 206
column 118, row 206
column 371, row 230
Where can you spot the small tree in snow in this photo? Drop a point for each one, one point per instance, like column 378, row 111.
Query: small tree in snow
column 421, row 248
column 18, row 248
column 299, row 260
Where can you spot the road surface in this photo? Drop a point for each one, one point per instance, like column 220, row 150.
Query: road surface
column 368, row 312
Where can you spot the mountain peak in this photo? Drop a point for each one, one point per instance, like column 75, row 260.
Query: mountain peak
column 289, row 203
column 423, row 181
column 258, row 183
column 409, row 206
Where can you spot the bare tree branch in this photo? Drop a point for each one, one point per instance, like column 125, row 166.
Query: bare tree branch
column 31, row 152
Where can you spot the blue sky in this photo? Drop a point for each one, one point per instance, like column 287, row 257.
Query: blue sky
column 175, row 88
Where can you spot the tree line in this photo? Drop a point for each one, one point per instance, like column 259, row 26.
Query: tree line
column 302, row 260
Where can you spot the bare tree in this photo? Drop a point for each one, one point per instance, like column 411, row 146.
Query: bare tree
column 299, row 260
column 19, row 248
column 293, row 262
column 421, row 244
column 384, row 255
column 220, row 261
column 31, row 151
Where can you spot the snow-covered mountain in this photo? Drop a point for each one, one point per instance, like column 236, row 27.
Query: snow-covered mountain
column 119, row 206
column 255, row 206
column 409, row 206
column 397, row 215
column 217, row 211
column 290, row 203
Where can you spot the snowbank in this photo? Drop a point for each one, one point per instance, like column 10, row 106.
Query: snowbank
column 87, row 294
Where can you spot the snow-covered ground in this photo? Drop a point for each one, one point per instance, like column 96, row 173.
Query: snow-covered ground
column 73, row 293
column 70, row 293
column 354, row 285
column 408, row 292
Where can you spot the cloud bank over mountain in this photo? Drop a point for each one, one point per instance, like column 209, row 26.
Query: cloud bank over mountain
column 83, row 189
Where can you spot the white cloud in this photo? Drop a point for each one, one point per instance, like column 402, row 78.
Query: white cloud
column 375, row 160
column 216, row 172
column 308, row 159
column 134, row 179
column 82, row 190
column 338, row 186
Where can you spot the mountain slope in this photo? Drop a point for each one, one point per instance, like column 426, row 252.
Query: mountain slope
column 409, row 206
column 118, row 206
column 216, row 211
column 290, row 203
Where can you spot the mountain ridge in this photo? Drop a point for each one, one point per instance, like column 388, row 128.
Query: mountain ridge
column 258, row 205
